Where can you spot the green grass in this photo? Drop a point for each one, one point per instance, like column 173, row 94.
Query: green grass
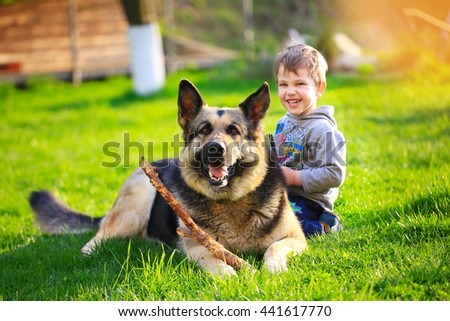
column 394, row 204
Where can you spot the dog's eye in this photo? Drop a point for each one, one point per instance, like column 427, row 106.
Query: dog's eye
column 205, row 130
column 233, row 131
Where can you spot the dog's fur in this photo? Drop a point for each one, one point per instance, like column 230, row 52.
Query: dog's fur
column 226, row 177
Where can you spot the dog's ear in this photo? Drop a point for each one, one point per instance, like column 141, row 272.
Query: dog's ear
column 190, row 102
column 256, row 105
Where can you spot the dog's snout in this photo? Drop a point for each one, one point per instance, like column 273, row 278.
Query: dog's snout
column 214, row 153
column 215, row 149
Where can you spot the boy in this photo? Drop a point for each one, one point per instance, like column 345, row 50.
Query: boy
column 310, row 147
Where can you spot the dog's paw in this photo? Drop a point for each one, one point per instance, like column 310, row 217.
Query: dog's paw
column 276, row 264
column 90, row 246
column 225, row 270
column 220, row 269
column 217, row 267
column 276, row 258
column 87, row 250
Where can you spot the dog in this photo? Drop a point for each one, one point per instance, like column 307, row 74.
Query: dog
column 226, row 177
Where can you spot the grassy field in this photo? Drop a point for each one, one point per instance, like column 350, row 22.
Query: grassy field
column 394, row 204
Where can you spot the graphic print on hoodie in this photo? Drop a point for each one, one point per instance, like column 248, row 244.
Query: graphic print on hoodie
column 290, row 139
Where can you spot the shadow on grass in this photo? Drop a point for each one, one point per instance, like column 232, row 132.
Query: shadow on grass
column 427, row 116
column 425, row 279
column 435, row 204
column 400, row 251
column 130, row 97
column 53, row 267
column 75, row 105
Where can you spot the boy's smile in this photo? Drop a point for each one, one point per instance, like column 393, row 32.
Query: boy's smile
column 297, row 91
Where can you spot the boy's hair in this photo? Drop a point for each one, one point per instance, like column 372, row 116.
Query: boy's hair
column 302, row 56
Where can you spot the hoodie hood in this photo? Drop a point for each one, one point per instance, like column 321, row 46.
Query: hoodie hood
column 325, row 112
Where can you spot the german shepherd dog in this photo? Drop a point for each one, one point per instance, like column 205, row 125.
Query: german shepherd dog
column 226, row 177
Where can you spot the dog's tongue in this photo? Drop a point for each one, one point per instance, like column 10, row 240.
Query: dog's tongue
column 218, row 172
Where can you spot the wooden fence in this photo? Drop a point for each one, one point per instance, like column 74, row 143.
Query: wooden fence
column 82, row 39
column 42, row 37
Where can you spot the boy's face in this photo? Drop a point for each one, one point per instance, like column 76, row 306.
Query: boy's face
column 297, row 91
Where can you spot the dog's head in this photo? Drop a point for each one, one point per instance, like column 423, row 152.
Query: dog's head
column 224, row 155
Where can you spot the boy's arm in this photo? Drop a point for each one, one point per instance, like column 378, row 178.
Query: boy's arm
column 293, row 177
column 329, row 170
column 327, row 167
column 317, row 179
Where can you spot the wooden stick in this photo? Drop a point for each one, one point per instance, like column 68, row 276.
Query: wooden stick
column 193, row 231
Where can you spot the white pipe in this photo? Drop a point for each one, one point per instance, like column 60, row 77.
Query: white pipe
column 147, row 58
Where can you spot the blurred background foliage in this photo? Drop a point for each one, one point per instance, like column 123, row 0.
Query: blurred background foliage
column 379, row 27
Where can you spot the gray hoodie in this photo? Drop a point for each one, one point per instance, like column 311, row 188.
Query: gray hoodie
column 314, row 145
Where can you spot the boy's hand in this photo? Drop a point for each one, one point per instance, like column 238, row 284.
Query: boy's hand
column 293, row 177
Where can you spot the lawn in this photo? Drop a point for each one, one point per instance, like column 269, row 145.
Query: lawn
column 394, row 204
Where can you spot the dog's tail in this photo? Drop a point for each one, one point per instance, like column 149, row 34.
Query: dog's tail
column 53, row 216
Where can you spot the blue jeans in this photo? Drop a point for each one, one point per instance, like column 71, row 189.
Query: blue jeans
column 313, row 218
